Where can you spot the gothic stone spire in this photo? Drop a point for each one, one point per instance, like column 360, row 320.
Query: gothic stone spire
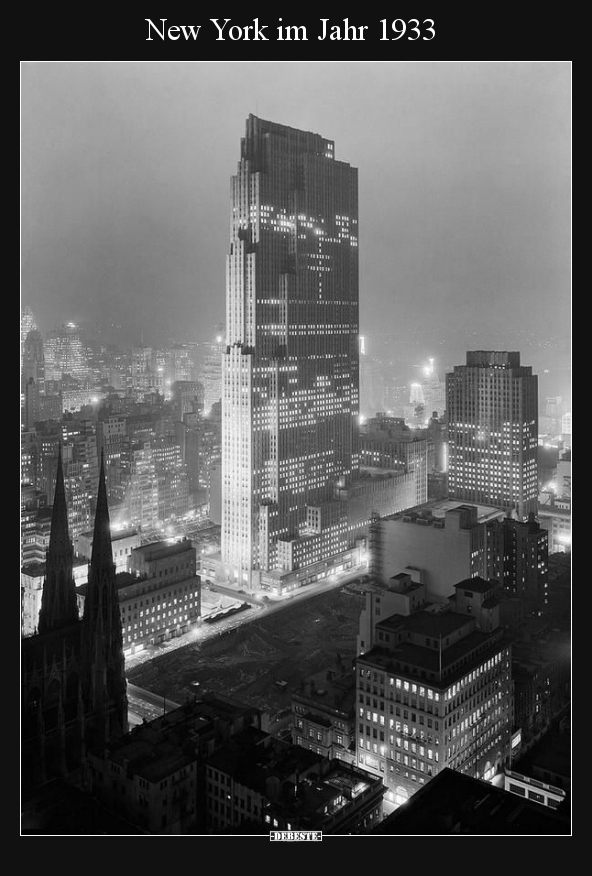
column 59, row 607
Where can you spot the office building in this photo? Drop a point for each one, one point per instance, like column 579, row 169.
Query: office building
column 66, row 354
column 324, row 714
column 159, row 597
column 290, row 367
column 27, row 324
column 492, row 407
column 388, row 443
column 123, row 542
column 440, row 543
column 517, row 555
column 211, row 371
column 32, row 378
column 435, row 691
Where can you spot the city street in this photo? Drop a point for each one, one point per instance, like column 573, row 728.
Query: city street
column 146, row 704
column 207, row 631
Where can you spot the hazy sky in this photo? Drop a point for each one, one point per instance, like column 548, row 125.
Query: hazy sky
column 464, row 189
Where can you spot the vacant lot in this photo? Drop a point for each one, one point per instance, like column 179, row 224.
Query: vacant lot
column 246, row 662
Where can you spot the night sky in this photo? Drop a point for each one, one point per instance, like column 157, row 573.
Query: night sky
column 464, row 187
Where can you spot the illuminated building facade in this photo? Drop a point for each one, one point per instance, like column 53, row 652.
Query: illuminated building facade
column 290, row 369
column 492, row 405
column 65, row 354
column 159, row 598
column 555, row 517
column 434, row 692
column 211, row 372
column 147, row 373
column 517, row 555
column 172, row 478
column 277, row 786
column 324, row 715
column 32, row 378
column 27, row 324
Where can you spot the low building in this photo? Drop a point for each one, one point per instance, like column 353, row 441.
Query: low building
column 533, row 789
column 443, row 541
column 333, row 534
column 324, row 715
column 457, row 804
column 123, row 542
column 160, row 597
column 257, row 783
column 154, row 775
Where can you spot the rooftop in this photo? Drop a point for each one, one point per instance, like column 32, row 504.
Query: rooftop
column 442, row 666
column 477, row 585
column 159, row 549
column 157, row 748
column 437, row 508
column 329, row 691
column 426, row 623
column 454, row 803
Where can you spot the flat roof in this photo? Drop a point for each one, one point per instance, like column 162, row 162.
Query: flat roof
column 477, row 584
column 438, row 508
column 427, row 623
column 159, row 549
column 454, row 803
column 420, row 658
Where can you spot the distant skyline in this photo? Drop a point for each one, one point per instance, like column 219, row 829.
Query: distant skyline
column 464, row 183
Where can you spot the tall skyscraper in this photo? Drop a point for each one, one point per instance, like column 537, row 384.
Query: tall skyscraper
column 290, row 370
column 65, row 353
column 492, row 406
column 27, row 324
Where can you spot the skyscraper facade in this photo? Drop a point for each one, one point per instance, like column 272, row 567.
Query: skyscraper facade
column 290, row 368
column 492, row 405
column 65, row 353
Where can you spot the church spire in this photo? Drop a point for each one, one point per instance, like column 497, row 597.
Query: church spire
column 103, row 662
column 102, row 553
column 59, row 607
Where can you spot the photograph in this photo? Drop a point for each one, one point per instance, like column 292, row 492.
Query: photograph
column 295, row 402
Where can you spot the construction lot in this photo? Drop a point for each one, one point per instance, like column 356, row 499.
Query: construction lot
column 261, row 662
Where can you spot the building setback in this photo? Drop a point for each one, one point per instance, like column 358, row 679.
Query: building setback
column 290, row 368
column 492, row 406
